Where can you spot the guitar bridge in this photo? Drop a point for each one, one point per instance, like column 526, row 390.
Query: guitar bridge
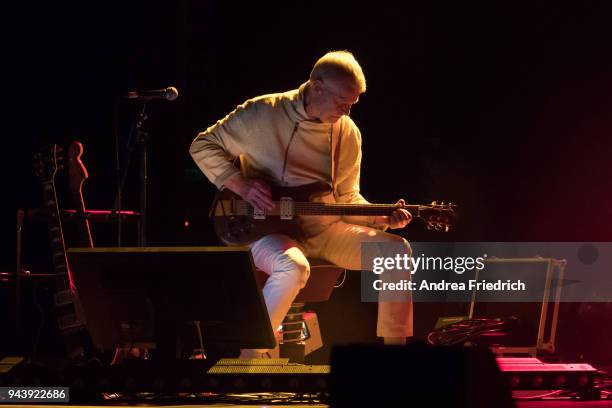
column 286, row 208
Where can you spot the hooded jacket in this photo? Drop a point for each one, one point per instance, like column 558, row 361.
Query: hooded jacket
column 277, row 142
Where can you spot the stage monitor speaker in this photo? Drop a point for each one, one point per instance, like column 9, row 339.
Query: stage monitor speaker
column 374, row 375
column 148, row 296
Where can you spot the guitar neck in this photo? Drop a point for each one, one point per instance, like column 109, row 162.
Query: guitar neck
column 310, row 208
column 306, row 208
column 58, row 249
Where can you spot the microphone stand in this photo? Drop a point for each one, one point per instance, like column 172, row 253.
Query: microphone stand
column 138, row 138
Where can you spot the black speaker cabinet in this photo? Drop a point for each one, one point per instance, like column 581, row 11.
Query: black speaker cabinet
column 375, row 376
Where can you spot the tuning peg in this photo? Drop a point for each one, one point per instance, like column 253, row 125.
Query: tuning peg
column 434, row 203
column 429, row 226
column 446, row 228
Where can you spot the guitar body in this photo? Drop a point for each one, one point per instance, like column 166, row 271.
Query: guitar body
column 236, row 224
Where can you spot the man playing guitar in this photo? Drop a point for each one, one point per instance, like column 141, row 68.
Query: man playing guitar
column 295, row 138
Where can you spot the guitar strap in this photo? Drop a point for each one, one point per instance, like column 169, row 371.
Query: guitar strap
column 335, row 148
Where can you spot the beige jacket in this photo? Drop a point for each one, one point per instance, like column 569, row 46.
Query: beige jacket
column 277, row 142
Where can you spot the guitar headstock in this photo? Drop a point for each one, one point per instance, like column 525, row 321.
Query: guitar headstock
column 47, row 162
column 76, row 169
column 438, row 216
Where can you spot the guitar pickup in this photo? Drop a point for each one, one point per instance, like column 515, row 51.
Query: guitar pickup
column 68, row 321
column 259, row 214
column 286, row 208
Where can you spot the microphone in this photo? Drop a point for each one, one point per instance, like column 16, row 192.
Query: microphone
column 169, row 94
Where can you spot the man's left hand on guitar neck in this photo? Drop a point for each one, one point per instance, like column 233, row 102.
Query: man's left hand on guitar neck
column 398, row 219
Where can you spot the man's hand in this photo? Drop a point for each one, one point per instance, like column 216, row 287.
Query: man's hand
column 398, row 219
column 255, row 192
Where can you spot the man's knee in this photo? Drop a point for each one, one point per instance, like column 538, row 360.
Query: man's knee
column 407, row 248
column 295, row 266
column 399, row 244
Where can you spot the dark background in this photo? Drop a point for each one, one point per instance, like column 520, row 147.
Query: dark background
column 501, row 108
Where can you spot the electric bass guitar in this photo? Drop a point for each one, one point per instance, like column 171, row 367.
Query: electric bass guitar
column 70, row 319
column 236, row 222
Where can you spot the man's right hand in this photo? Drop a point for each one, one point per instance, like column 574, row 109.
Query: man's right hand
column 255, row 192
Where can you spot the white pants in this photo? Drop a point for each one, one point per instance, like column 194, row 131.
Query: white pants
column 284, row 260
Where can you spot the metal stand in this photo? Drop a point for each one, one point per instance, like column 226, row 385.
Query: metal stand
column 138, row 139
column 18, row 323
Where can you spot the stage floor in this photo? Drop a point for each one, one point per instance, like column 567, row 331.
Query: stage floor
column 520, row 404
